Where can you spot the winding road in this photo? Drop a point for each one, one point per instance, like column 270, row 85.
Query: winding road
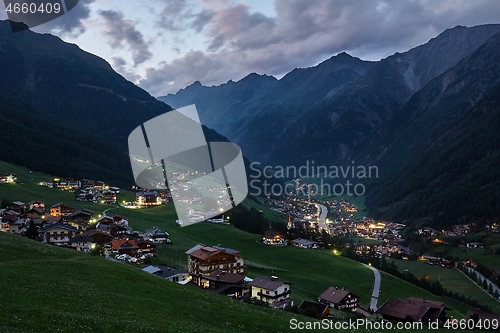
column 376, row 288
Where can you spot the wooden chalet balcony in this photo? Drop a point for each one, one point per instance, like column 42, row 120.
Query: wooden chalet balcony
column 272, row 296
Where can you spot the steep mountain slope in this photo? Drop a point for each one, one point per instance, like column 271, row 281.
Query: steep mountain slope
column 251, row 111
column 72, row 85
column 38, row 141
column 67, row 111
column 443, row 147
column 328, row 112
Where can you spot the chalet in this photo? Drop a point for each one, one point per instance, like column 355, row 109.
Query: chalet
column 34, row 213
column 417, row 308
column 99, row 236
column 36, row 204
column 87, row 183
column 119, row 218
column 124, row 246
column 204, row 260
column 168, row 273
column 18, row 207
column 17, row 226
column 272, row 291
column 272, row 237
column 99, row 185
column 305, row 243
column 320, row 308
column 84, row 214
column 145, row 199
column 220, row 282
column 132, row 247
column 61, row 210
column 339, row 299
column 79, row 223
column 81, row 243
column 145, row 246
column 58, row 233
column 106, row 220
column 108, row 197
column 156, row 235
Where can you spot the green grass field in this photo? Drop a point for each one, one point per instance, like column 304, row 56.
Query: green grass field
column 29, row 190
column 477, row 255
column 111, row 287
column 47, row 289
column 450, row 278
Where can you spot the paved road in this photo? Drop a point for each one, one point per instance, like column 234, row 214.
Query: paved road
column 376, row 288
column 104, row 213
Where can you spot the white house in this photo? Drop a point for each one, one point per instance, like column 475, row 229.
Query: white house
column 271, row 290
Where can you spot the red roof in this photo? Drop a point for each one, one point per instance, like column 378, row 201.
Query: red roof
column 204, row 253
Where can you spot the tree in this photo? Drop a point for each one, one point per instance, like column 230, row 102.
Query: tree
column 32, row 231
column 5, row 203
column 496, row 294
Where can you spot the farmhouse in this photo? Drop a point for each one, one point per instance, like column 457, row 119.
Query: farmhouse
column 417, row 308
column 272, row 237
column 339, row 299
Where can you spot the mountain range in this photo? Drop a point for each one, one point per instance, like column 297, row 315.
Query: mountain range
column 402, row 113
column 427, row 118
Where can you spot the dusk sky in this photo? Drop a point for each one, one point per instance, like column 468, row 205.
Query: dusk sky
column 165, row 45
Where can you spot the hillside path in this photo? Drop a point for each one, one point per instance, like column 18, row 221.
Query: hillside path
column 376, row 288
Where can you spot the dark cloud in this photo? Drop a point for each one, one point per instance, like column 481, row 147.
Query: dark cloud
column 201, row 20
column 71, row 23
column 174, row 15
column 305, row 32
column 120, row 31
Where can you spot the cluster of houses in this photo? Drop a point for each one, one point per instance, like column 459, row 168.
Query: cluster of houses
column 8, row 178
column 64, row 226
column 87, row 190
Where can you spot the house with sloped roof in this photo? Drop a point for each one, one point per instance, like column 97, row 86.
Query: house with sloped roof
column 61, row 209
column 205, row 260
column 272, row 237
column 58, row 233
column 168, row 273
column 419, row 309
column 222, row 282
column 305, row 243
column 81, row 243
column 339, row 299
column 271, row 290
column 156, row 235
